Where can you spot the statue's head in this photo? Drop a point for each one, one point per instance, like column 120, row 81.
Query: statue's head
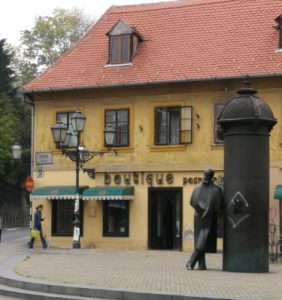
column 208, row 176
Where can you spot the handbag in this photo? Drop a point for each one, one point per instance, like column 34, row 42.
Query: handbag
column 34, row 233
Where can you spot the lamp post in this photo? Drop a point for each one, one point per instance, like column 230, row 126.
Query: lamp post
column 80, row 155
column 17, row 153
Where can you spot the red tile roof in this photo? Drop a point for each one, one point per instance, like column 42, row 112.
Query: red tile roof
column 183, row 40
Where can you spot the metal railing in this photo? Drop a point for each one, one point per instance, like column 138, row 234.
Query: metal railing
column 15, row 219
column 275, row 243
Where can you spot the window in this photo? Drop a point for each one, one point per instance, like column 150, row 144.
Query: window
column 120, row 49
column 123, row 42
column 279, row 28
column 65, row 118
column 116, row 218
column 173, row 125
column 63, row 216
column 118, row 119
column 217, row 109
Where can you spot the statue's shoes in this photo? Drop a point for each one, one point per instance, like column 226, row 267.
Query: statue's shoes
column 189, row 267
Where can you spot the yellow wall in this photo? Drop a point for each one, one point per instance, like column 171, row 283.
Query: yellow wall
column 183, row 161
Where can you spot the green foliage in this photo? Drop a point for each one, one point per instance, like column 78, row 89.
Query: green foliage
column 50, row 37
column 6, row 73
column 11, row 112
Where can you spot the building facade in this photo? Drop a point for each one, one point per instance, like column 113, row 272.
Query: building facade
column 158, row 74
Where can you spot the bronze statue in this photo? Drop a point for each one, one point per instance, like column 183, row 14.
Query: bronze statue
column 207, row 200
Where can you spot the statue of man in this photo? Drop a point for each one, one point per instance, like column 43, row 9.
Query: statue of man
column 207, row 200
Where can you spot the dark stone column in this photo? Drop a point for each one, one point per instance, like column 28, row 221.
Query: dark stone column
column 246, row 122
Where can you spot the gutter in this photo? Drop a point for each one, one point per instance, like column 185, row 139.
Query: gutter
column 148, row 83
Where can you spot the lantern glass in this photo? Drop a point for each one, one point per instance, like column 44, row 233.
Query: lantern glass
column 67, row 139
column 78, row 121
column 17, row 151
column 59, row 131
column 109, row 134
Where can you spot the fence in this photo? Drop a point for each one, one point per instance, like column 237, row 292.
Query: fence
column 15, row 219
column 14, row 205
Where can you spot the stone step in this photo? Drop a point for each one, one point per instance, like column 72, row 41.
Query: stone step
column 37, row 286
column 36, row 295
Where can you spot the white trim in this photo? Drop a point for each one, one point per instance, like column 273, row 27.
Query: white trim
column 108, row 198
column 56, row 197
column 118, row 65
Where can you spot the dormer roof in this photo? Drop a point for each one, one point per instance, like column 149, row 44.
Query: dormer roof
column 186, row 40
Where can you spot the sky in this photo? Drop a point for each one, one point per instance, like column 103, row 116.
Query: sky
column 19, row 15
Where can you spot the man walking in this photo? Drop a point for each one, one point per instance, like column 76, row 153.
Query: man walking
column 37, row 226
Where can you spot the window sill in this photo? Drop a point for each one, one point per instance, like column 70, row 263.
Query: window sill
column 217, row 146
column 117, row 149
column 167, row 148
column 118, row 65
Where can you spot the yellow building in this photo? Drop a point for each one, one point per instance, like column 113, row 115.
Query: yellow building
column 159, row 79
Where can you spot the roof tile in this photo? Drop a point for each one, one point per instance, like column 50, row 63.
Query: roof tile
column 183, row 40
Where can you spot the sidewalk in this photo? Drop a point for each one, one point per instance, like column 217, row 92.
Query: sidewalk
column 151, row 272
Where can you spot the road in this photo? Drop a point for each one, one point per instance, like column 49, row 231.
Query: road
column 10, row 234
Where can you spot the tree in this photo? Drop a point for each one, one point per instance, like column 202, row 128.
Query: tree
column 6, row 73
column 50, row 37
column 9, row 121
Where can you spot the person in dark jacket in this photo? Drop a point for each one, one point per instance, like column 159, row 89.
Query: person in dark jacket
column 207, row 200
column 37, row 226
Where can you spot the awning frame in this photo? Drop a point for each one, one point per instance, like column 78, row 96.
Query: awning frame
column 57, row 193
column 109, row 193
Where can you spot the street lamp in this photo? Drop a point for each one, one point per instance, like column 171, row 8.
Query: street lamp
column 17, row 151
column 80, row 155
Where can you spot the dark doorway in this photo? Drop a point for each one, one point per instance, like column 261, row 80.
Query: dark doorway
column 165, row 218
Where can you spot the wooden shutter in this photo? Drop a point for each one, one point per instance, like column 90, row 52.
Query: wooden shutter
column 186, row 125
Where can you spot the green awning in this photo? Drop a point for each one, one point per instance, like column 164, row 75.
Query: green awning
column 278, row 192
column 57, row 192
column 109, row 193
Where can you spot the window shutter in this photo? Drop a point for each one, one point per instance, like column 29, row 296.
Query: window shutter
column 186, row 125
column 217, row 109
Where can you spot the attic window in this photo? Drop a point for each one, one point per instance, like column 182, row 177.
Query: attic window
column 279, row 27
column 123, row 42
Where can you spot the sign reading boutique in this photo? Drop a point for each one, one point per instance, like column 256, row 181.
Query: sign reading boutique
column 138, row 178
column 150, row 179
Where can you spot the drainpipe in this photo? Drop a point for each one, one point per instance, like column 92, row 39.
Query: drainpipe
column 28, row 99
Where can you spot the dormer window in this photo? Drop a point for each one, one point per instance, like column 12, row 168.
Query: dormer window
column 123, row 42
column 279, row 28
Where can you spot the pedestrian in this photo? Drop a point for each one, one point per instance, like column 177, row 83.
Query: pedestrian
column 207, row 200
column 38, row 226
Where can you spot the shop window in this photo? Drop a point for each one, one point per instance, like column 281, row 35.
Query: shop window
column 65, row 118
column 116, row 218
column 63, row 216
column 217, row 109
column 173, row 125
column 118, row 120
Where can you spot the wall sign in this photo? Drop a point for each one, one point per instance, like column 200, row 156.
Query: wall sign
column 138, row 178
column 44, row 158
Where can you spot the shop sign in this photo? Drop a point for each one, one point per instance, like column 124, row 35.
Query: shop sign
column 139, row 178
column 197, row 180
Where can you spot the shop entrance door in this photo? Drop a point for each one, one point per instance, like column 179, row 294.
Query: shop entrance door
column 165, row 218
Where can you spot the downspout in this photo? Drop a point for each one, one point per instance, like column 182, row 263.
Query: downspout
column 28, row 99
